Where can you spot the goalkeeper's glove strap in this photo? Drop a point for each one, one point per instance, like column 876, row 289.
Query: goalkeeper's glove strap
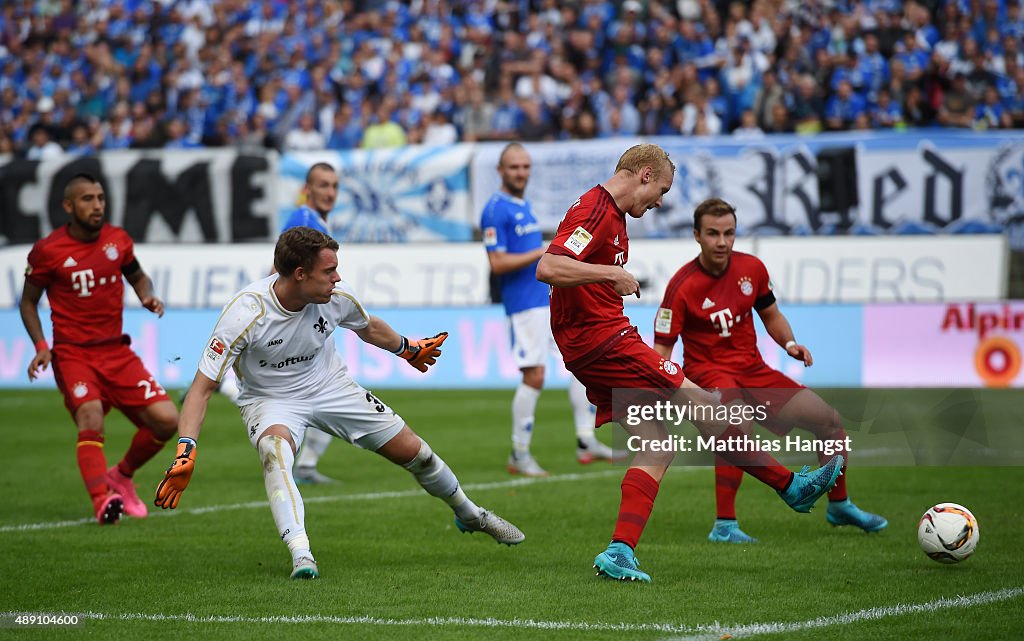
column 404, row 345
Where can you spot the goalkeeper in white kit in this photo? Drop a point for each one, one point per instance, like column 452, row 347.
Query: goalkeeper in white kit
column 276, row 335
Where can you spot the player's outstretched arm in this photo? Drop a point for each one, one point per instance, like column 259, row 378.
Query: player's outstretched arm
column 143, row 286
column 421, row 354
column 193, row 412
column 778, row 328
column 29, row 308
column 562, row 271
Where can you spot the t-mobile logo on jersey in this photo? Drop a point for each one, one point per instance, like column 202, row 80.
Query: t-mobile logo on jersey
column 723, row 320
column 83, row 281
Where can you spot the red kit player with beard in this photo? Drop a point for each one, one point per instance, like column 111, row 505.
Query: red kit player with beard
column 585, row 265
column 709, row 303
column 80, row 267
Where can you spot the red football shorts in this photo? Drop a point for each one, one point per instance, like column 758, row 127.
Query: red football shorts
column 111, row 373
column 759, row 385
column 630, row 363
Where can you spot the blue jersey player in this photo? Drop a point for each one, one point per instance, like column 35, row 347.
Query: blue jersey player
column 321, row 192
column 514, row 244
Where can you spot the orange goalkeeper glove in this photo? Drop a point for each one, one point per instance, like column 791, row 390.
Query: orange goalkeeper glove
column 423, row 353
column 177, row 476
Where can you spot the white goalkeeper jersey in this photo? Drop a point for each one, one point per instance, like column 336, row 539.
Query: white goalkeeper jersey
column 276, row 353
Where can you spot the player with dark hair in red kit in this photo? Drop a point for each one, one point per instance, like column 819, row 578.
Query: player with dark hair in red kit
column 80, row 267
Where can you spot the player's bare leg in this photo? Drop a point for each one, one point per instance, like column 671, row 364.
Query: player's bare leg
column 92, row 463
column 639, row 489
column 809, row 411
column 277, row 454
column 524, row 408
column 414, row 454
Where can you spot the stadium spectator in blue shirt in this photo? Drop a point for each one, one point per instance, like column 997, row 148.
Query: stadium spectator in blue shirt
column 347, row 129
column 514, row 244
column 886, row 113
column 844, row 107
column 990, row 113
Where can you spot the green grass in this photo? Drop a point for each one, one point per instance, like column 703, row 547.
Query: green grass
column 402, row 559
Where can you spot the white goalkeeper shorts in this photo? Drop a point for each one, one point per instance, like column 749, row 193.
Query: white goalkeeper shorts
column 347, row 411
column 532, row 342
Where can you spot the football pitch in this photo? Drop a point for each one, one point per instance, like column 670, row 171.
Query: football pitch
column 393, row 566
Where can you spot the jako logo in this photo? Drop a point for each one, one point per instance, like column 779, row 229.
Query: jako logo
column 276, row 341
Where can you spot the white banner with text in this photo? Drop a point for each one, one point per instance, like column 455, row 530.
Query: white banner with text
column 803, row 270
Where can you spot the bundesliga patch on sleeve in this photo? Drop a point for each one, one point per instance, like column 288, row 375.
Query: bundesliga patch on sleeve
column 215, row 350
column 663, row 322
column 490, row 236
column 578, row 241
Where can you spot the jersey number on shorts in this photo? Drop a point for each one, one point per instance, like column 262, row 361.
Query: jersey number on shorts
column 376, row 402
column 152, row 388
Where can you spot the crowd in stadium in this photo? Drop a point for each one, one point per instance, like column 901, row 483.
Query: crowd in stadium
column 86, row 75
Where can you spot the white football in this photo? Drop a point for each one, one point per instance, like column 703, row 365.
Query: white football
column 948, row 533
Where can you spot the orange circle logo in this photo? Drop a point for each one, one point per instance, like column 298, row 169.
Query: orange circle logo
column 997, row 361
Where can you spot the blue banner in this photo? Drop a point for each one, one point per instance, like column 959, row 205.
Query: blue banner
column 413, row 193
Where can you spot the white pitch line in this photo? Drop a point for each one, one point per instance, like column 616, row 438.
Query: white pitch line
column 690, row 632
column 519, row 624
column 869, row 614
column 370, row 496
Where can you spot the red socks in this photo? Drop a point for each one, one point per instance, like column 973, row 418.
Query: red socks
column 761, row 465
column 639, row 490
column 727, row 483
column 92, row 463
column 145, row 446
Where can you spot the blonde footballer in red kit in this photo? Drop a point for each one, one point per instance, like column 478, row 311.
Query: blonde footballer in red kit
column 585, row 265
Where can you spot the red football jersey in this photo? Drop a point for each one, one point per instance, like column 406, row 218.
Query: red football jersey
column 83, row 283
column 714, row 314
column 586, row 320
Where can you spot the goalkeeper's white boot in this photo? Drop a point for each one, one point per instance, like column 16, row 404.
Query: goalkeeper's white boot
column 490, row 523
column 305, row 568
column 526, row 465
